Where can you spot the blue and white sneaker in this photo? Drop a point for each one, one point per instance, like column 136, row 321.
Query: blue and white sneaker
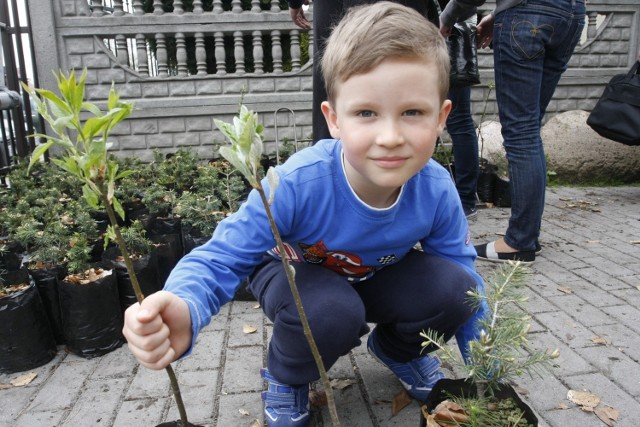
column 285, row 405
column 418, row 376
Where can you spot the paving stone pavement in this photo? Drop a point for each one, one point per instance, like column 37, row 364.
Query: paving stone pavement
column 586, row 287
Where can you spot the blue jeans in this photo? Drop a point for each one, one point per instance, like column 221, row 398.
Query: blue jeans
column 465, row 145
column 532, row 44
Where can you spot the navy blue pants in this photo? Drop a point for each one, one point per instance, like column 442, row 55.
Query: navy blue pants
column 419, row 292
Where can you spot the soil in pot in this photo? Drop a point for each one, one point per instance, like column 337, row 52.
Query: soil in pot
column 506, row 397
column 26, row 339
column 91, row 316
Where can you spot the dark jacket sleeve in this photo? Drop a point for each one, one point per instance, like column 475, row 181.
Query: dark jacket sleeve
column 295, row 4
column 459, row 10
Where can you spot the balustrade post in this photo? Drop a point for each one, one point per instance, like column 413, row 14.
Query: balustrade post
column 295, row 50
column 121, row 49
column 157, row 7
column 276, row 51
column 255, row 6
column 197, row 6
column 236, row 6
column 275, row 6
column 178, row 8
column 117, row 8
column 592, row 25
column 141, row 49
column 238, row 52
column 217, row 6
column 221, row 67
column 138, row 7
column 181, row 55
column 258, row 53
column 201, row 55
column 98, row 8
column 161, row 55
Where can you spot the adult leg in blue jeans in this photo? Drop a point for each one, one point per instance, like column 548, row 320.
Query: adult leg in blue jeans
column 532, row 44
column 462, row 130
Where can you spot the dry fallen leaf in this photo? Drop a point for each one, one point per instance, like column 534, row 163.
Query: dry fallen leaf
column 243, row 411
column 587, row 401
column 565, row 289
column 607, row 414
column 23, row 380
column 249, row 329
column 400, row 401
column 257, row 306
column 450, row 413
column 562, row 406
column 341, row 384
column 256, row 423
column 593, row 241
column 635, row 242
column 600, row 340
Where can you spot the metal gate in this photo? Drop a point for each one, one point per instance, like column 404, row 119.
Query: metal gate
column 19, row 118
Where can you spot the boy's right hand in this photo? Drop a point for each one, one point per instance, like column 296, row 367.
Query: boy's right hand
column 158, row 331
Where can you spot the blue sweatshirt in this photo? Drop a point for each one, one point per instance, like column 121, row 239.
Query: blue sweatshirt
column 322, row 221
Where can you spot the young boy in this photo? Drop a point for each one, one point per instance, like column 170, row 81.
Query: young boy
column 350, row 211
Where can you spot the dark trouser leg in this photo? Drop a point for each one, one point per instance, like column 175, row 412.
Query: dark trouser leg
column 418, row 293
column 334, row 310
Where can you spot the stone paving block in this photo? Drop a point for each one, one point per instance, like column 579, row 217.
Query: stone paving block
column 625, row 340
column 198, row 390
column 149, row 383
column 237, row 336
column 234, row 406
column 350, row 408
column 568, row 363
column 611, row 395
column 141, row 412
column 616, row 365
column 593, row 294
column 63, row 387
column 117, row 364
column 46, row 418
column 19, row 398
column 565, row 328
column 98, row 403
column 626, row 314
column 207, row 352
column 630, row 295
column 579, row 309
column 242, row 369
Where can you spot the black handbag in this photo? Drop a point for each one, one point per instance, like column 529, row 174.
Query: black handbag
column 464, row 55
column 616, row 115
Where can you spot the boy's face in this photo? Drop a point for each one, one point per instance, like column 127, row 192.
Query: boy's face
column 388, row 120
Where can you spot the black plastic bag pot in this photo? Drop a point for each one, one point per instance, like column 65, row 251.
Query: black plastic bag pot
column 167, row 232
column 11, row 257
column 26, row 339
column 502, row 192
column 486, row 184
column 145, row 269
column 91, row 316
column 243, row 293
column 47, row 281
column 192, row 238
column 446, row 388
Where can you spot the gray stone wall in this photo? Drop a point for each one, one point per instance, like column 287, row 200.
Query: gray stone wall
column 176, row 108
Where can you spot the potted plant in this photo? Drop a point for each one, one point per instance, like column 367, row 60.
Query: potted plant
column 144, row 257
column 85, row 143
column 26, row 339
column 502, row 352
column 90, row 330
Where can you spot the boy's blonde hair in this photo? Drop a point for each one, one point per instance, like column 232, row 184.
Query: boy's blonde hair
column 369, row 34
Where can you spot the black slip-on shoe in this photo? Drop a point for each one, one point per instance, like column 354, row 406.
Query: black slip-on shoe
column 487, row 252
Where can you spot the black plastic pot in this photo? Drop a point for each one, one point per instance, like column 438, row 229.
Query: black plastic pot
column 502, row 192
column 47, row 281
column 26, row 339
column 177, row 423
column 91, row 316
column 145, row 269
column 446, row 388
column 167, row 232
column 486, row 184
